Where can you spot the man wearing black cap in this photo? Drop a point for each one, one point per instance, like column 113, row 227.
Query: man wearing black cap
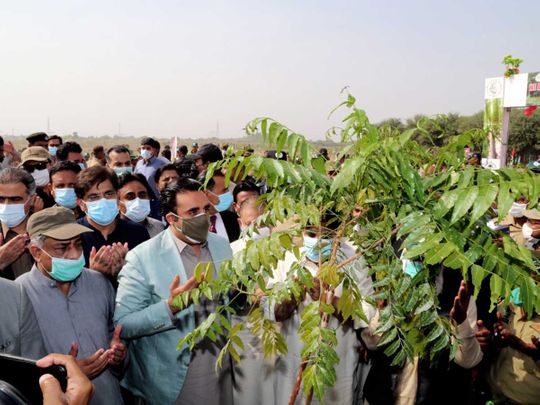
column 38, row 139
column 150, row 161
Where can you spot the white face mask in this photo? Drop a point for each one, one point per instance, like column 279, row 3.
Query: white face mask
column 12, row 214
column 41, row 177
column 517, row 209
column 137, row 210
column 146, row 154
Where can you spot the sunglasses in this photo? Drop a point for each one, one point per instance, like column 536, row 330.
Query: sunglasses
column 37, row 166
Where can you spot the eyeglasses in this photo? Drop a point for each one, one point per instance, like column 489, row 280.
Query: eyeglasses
column 36, row 166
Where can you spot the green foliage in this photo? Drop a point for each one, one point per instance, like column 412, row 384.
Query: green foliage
column 424, row 200
column 512, row 65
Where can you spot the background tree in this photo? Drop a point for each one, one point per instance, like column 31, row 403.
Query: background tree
column 524, row 135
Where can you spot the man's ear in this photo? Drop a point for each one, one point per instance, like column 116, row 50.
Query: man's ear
column 82, row 205
column 35, row 252
column 170, row 218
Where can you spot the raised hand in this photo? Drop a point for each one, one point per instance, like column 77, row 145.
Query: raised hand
column 461, row 303
column 118, row 254
column 92, row 365
column 38, row 204
column 483, row 335
column 117, row 348
column 12, row 250
column 100, row 260
column 176, row 289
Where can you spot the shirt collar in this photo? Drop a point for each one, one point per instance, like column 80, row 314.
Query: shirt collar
column 42, row 279
column 149, row 161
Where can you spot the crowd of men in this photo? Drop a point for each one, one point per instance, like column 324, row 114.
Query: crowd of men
column 94, row 251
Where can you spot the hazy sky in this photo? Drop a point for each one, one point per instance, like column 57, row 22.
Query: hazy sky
column 172, row 67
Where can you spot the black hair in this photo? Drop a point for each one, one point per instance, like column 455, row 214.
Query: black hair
column 150, row 142
column 186, row 167
column 117, row 149
column 166, row 153
column 1, row 141
column 88, row 178
column 246, row 185
column 127, row 177
column 159, row 172
column 183, row 149
column 66, row 148
column 210, row 153
column 211, row 183
column 56, row 137
column 65, row 166
column 168, row 194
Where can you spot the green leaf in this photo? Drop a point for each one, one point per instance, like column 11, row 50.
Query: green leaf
column 435, row 333
column 440, row 344
column 281, row 139
column 304, row 150
column 464, row 201
column 292, row 143
column 478, row 275
column 390, row 350
column 486, row 196
column 438, row 254
column 527, row 294
column 319, row 164
column 388, row 337
column 424, row 307
column 346, row 175
column 505, row 199
column 445, row 203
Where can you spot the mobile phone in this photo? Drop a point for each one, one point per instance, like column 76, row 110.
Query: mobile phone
column 23, row 374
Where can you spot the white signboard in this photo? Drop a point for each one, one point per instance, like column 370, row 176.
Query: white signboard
column 515, row 91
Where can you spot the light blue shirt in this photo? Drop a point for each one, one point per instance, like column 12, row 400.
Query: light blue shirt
column 148, row 169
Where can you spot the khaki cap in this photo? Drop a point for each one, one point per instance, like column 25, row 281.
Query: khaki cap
column 532, row 214
column 36, row 153
column 55, row 222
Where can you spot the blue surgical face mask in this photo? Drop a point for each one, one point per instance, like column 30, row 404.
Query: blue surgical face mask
column 12, row 214
column 225, row 201
column 65, row 270
column 120, row 170
column 137, row 210
column 312, row 246
column 103, row 211
column 53, row 150
column 65, row 197
column 82, row 165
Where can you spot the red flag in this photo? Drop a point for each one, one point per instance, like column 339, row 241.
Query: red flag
column 527, row 112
